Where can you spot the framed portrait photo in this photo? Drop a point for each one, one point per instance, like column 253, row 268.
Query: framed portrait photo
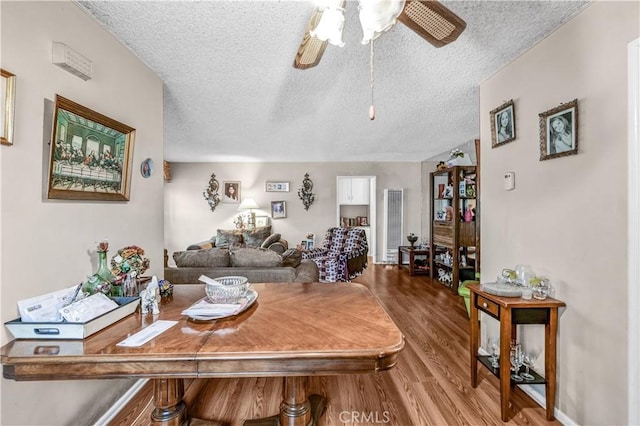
column 231, row 192
column 146, row 168
column 91, row 155
column 503, row 124
column 276, row 186
column 559, row 131
column 278, row 209
column 7, row 106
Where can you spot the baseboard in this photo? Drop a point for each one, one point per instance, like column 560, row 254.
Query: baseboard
column 110, row 414
column 536, row 392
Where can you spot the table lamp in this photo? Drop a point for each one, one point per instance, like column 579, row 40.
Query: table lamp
column 249, row 204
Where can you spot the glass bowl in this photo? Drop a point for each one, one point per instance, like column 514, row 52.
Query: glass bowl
column 229, row 291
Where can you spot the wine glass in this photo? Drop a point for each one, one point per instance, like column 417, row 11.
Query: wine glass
column 528, row 359
column 515, row 358
column 494, row 345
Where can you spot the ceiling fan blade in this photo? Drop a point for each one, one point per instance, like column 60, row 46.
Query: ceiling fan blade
column 432, row 21
column 311, row 48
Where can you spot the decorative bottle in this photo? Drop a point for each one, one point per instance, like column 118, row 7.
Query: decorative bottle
column 103, row 281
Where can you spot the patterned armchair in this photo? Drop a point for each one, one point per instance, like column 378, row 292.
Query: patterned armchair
column 342, row 256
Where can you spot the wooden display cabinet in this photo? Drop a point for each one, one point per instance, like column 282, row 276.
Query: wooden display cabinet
column 454, row 223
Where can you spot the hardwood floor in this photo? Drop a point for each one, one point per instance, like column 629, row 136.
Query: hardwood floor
column 429, row 386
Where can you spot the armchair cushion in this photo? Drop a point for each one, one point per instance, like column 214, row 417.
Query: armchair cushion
column 212, row 258
column 254, row 258
column 255, row 237
column 228, row 238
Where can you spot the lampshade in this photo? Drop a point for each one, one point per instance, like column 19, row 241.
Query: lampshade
column 330, row 26
column 377, row 17
column 248, row 204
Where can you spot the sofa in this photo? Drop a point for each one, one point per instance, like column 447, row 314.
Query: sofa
column 255, row 263
column 256, row 237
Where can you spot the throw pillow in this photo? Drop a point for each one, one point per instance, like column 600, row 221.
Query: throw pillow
column 229, row 238
column 207, row 258
column 255, row 237
column 270, row 240
column 292, row 258
column 254, row 258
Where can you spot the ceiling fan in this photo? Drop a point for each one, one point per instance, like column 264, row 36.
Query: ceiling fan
column 428, row 18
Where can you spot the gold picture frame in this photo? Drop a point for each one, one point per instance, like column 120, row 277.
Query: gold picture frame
column 7, row 106
column 90, row 156
column 559, row 131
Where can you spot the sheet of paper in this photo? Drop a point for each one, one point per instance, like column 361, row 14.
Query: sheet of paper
column 148, row 333
column 45, row 308
column 84, row 310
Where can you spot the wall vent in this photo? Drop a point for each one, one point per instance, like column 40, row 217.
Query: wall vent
column 393, row 224
column 71, row 61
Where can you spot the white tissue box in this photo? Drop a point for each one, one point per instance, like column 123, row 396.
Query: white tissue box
column 72, row 330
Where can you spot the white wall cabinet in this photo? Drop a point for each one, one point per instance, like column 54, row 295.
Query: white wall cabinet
column 353, row 190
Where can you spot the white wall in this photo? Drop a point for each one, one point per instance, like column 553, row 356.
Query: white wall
column 188, row 218
column 567, row 216
column 50, row 244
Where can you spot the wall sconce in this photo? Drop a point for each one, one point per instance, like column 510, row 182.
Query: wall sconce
column 305, row 193
column 211, row 192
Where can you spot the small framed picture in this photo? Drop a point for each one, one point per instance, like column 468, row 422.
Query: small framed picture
column 559, row 131
column 503, row 124
column 146, row 168
column 262, row 221
column 231, row 192
column 307, row 244
column 276, row 186
column 278, row 209
column 7, row 106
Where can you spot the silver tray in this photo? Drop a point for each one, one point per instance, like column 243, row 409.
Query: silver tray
column 245, row 303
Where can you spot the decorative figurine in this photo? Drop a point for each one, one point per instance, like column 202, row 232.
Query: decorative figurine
column 150, row 297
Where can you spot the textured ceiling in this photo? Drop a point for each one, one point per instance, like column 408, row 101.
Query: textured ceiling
column 232, row 94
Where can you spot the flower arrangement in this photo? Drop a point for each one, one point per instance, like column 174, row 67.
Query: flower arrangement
column 458, row 158
column 129, row 260
column 455, row 153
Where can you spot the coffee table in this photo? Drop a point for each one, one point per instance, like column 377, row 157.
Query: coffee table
column 293, row 331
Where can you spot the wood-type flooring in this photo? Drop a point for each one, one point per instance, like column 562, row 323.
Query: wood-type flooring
column 429, row 386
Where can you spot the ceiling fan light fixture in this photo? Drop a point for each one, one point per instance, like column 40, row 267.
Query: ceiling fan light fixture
column 378, row 16
column 432, row 21
column 330, row 26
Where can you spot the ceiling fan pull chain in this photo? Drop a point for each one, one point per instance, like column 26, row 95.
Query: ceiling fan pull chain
column 372, row 109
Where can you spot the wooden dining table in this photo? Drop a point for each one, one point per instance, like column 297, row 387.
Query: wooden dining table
column 293, row 330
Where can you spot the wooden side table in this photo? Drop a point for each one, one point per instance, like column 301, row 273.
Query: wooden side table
column 511, row 311
column 412, row 252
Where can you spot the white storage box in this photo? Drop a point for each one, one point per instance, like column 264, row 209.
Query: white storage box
column 72, row 330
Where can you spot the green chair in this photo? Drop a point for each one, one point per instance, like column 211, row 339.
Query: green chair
column 466, row 293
